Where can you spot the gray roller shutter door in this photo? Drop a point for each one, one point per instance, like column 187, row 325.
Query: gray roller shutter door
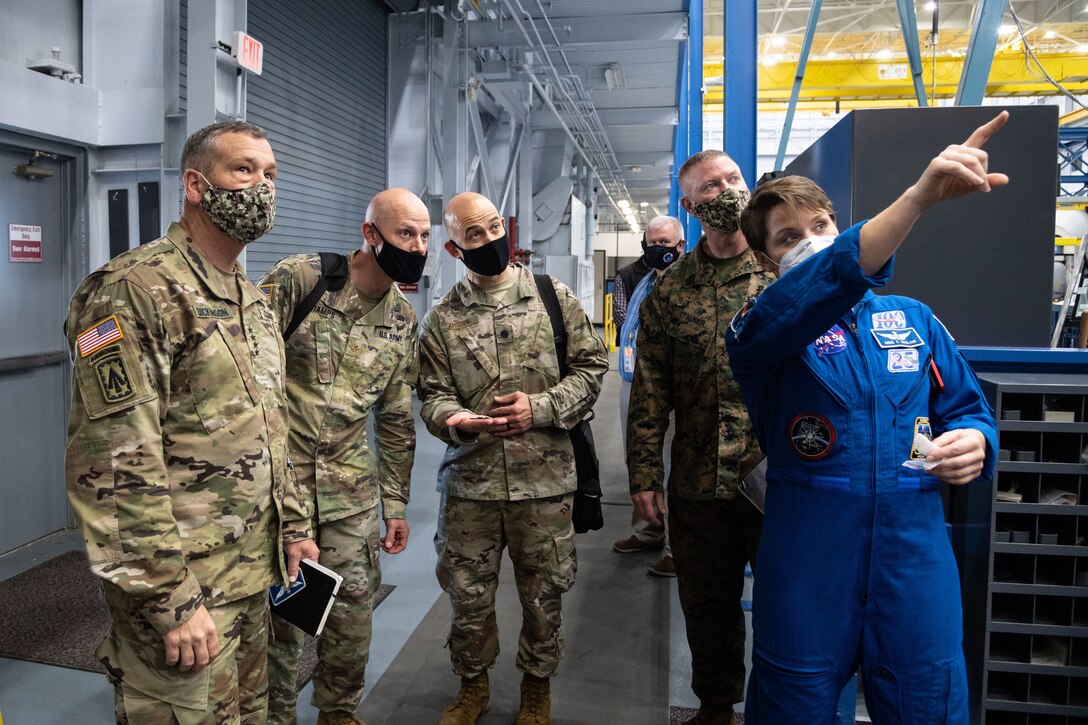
column 322, row 99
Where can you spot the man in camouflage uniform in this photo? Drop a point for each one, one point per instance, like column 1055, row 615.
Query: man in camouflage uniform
column 353, row 353
column 682, row 365
column 490, row 386
column 177, row 463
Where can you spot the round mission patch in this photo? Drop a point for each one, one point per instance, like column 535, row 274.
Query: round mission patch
column 811, row 436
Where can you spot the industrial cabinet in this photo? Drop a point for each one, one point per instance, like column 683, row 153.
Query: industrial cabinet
column 1034, row 650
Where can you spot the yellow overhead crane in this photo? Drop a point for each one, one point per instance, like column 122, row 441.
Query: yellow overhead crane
column 843, row 84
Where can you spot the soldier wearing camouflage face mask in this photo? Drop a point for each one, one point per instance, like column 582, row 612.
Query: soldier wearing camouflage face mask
column 682, row 366
column 177, row 465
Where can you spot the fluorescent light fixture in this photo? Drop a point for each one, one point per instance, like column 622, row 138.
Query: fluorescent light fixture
column 643, row 204
column 613, row 77
column 1006, row 29
column 623, row 204
column 930, row 6
column 883, row 54
column 1050, row 35
column 778, row 41
column 1082, row 48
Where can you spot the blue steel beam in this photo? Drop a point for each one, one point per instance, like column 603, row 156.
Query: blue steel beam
column 909, row 24
column 739, row 78
column 980, row 52
column 692, row 228
column 680, row 134
column 802, row 61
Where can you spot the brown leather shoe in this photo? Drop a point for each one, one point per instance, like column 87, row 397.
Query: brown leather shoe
column 664, row 566
column 633, row 544
column 473, row 700
column 536, row 701
column 338, row 717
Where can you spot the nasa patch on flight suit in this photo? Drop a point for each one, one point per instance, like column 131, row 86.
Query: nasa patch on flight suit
column 812, row 436
column 906, row 337
column 108, row 370
column 831, row 342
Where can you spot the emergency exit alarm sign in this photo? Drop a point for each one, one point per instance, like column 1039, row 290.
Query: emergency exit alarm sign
column 25, row 242
column 248, row 51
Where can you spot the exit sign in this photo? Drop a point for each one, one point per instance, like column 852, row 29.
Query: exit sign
column 248, row 51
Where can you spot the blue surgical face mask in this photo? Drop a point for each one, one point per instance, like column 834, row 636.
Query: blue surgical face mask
column 802, row 251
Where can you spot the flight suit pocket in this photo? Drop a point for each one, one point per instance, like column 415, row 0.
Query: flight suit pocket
column 220, row 380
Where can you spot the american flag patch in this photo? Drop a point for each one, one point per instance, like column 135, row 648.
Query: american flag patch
column 97, row 337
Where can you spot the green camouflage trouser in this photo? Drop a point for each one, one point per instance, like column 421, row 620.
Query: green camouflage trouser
column 349, row 546
column 231, row 689
column 540, row 537
column 711, row 543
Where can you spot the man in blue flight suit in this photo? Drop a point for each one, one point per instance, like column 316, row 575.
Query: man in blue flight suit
column 845, row 391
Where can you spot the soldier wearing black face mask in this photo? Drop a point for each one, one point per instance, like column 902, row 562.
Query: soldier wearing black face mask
column 352, row 356
column 659, row 250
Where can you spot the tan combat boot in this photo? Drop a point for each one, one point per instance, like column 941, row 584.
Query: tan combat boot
column 473, row 700
column 536, row 701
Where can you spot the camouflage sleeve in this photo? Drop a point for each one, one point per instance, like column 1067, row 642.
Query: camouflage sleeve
column 436, row 387
column 396, row 432
column 569, row 401
column 281, row 287
column 651, row 398
column 115, row 463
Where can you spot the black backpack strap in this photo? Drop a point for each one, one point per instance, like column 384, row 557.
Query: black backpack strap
column 546, row 289
column 334, row 275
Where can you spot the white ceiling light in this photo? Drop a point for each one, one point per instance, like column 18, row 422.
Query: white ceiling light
column 1006, row 29
column 930, row 6
column 613, row 77
column 883, row 54
column 770, row 59
column 1050, row 35
column 778, row 41
column 1082, row 48
column 624, row 204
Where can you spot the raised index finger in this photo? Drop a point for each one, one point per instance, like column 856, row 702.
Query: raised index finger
column 983, row 133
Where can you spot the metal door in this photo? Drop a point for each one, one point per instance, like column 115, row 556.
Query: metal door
column 34, row 290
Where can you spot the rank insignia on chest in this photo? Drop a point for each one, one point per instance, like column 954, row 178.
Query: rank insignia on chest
column 812, row 436
column 903, row 360
column 831, row 342
column 266, row 290
column 889, row 320
column 907, row 337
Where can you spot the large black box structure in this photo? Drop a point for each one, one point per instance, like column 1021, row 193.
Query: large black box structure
column 984, row 263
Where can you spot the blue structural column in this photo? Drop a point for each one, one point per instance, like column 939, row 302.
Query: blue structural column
column 740, row 92
column 680, row 136
column 798, row 78
column 909, row 25
column 980, row 52
column 692, row 228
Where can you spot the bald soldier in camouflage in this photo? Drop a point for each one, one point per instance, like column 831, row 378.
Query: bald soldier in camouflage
column 682, row 365
column 353, row 354
column 177, row 464
column 490, row 386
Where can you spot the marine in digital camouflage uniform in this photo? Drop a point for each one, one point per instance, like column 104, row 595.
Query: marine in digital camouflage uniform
column 490, row 386
column 682, row 365
column 354, row 354
column 176, row 464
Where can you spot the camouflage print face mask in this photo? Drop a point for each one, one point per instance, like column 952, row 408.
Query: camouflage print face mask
column 722, row 213
column 242, row 214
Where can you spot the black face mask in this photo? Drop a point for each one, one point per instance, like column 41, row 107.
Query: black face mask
column 489, row 260
column 401, row 266
column 660, row 257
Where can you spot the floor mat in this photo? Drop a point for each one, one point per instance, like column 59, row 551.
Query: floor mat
column 54, row 614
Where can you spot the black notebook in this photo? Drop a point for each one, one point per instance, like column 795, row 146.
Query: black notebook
column 307, row 602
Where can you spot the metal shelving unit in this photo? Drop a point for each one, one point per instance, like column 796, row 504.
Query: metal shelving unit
column 1034, row 652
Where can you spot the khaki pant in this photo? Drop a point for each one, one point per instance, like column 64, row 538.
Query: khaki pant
column 233, row 688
